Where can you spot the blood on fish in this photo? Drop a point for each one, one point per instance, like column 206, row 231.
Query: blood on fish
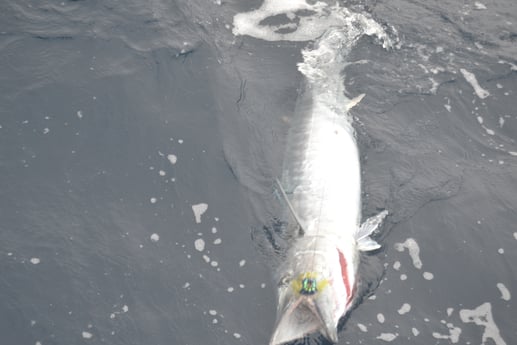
column 344, row 273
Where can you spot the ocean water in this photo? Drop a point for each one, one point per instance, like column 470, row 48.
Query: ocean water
column 139, row 143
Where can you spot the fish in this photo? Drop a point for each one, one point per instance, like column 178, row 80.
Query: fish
column 321, row 186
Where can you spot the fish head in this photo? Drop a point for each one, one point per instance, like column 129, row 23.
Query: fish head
column 311, row 296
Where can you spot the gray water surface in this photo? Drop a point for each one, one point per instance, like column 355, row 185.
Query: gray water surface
column 117, row 118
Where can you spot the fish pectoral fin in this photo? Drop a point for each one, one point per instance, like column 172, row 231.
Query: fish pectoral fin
column 290, row 206
column 364, row 242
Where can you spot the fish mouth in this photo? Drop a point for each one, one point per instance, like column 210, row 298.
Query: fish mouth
column 303, row 315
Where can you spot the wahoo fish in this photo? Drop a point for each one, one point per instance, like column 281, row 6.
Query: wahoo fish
column 321, row 186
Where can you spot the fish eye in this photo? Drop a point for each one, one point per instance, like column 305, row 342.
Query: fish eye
column 285, row 280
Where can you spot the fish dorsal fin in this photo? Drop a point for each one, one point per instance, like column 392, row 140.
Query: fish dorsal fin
column 354, row 101
column 364, row 242
column 291, row 209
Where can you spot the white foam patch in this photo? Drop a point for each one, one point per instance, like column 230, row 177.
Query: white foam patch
column 152, row 200
column 155, row 237
column 242, row 263
column 515, row 233
column 172, row 158
column 237, row 335
column 362, row 327
column 428, row 276
column 404, row 309
column 505, row 293
column 479, row 6
column 482, row 316
column 388, row 337
column 396, row 265
column 500, row 251
column 199, row 244
column 198, row 210
column 449, row 311
column 80, row 114
column 415, row 331
column 292, row 20
column 380, row 318
column 414, row 251
column 308, row 28
column 472, row 80
column 218, row 241
column 87, row 335
column 453, row 336
column 35, row 261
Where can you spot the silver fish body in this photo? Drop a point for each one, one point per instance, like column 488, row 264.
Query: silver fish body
column 322, row 183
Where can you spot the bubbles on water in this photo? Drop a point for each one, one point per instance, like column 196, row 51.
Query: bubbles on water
column 505, row 293
column 172, row 158
column 155, row 237
column 362, row 327
column 388, row 337
column 472, row 80
column 414, row 251
column 199, row 210
column 404, row 309
column 199, row 244
column 482, row 316
column 453, row 336
column 428, row 275
column 479, row 6
column 35, row 261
